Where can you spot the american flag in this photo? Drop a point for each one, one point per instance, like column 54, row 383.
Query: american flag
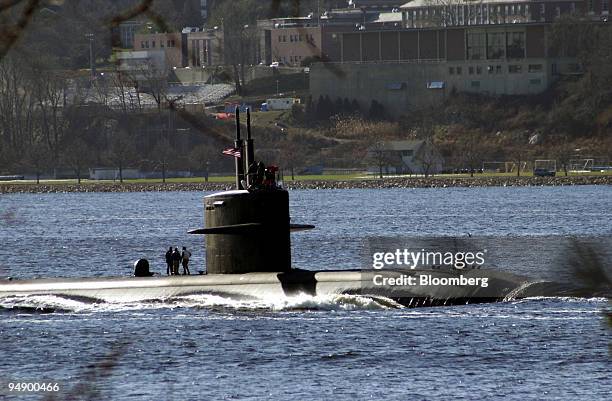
column 232, row 152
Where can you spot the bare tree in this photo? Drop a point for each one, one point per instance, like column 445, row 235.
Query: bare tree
column 239, row 36
column 164, row 156
column 563, row 152
column 16, row 107
column 427, row 155
column 77, row 154
column 122, row 151
column 380, row 155
column 37, row 158
column 201, row 157
column 518, row 152
column 125, row 92
column 291, row 155
column 50, row 91
column 471, row 151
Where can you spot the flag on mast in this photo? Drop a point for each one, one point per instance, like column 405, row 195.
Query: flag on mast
column 232, row 152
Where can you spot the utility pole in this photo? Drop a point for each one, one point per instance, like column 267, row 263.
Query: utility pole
column 92, row 63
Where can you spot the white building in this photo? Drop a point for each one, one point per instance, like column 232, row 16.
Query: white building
column 283, row 103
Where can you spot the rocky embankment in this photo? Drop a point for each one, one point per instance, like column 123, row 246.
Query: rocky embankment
column 432, row 182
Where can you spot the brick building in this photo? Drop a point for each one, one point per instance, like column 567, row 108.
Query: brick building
column 170, row 44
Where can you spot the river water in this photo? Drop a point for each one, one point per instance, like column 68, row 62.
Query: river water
column 344, row 347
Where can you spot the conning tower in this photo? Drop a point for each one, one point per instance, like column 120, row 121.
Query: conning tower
column 248, row 229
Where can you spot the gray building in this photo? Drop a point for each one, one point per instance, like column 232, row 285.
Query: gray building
column 493, row 47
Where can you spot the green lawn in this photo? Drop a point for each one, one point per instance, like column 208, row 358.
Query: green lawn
column 287, row 178
column 126, row 181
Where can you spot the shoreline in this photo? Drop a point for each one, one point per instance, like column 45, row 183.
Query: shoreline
column 386, row 183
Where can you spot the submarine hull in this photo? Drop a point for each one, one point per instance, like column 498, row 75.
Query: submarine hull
column 500, row 286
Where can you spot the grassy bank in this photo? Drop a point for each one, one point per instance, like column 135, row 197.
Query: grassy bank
column 308, row 182
column 287, row 178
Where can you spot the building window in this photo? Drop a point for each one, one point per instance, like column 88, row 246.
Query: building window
column 514, row 69
column 142, row 45
column 471, row 70
column 516, row 44
column 161, row 43
column 535, row 81
column 153, row 44
column 475, row 84
column 490, row 69
column 478, row 70
column 196, row 61
column 528, row 16
column 459, row 70
column 605, row 6
column 476, row 43
column 280, row 38
column 535, row 68
column 300, row 38
column 147, row 44
column 590, row 7
column 498, row 69
column 496, row 45
column 451, row 70
column 284, row 38
column 542, row 12
column 172, row 43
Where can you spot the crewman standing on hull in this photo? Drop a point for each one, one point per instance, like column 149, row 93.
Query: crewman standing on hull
column 169, row 262
column 176, row 259
column 185, row 259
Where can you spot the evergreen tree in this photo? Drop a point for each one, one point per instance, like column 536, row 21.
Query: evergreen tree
column 310, row 112
column 346, row 106
column 320, row 113
column 355, row 108
column 338, row 107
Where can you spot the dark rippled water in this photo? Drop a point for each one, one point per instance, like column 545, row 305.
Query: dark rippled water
column 347, row 347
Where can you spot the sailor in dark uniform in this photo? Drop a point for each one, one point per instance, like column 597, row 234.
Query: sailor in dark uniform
column 169, row 261
column 176, row 260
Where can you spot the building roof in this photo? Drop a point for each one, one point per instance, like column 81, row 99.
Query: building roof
column 375, row 3
column 388, row 17
column 439, row 3
column 413, row 144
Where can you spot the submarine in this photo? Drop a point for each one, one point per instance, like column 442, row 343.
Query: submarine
column 247, row 233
